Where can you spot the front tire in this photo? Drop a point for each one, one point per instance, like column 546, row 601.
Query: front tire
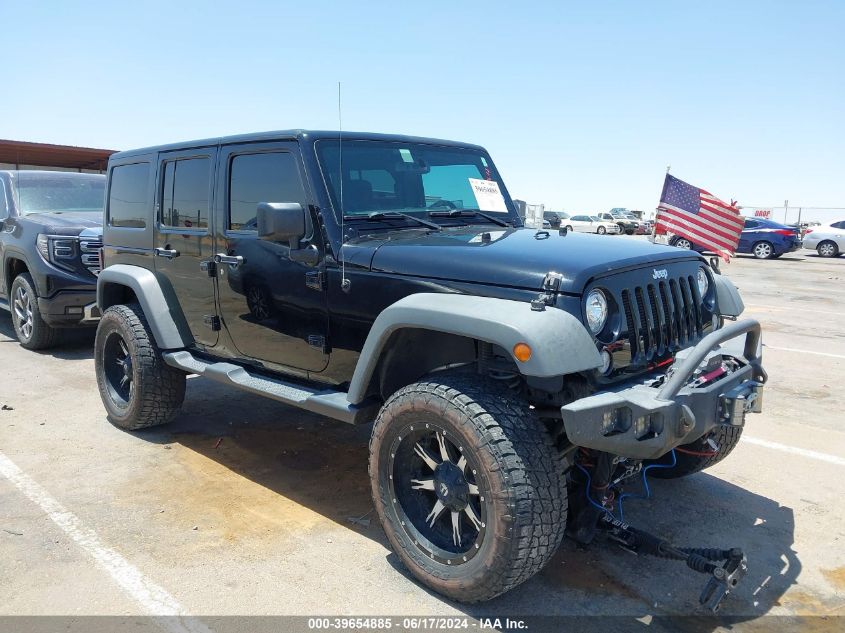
column 827, row 249
column 696, row 456
column 137, row 387
column 32, row 331
column 468, row 486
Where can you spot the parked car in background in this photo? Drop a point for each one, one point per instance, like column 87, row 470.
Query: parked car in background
column 554, row 218
column 626, row 221
column 827, row 239
column 50, row 245
column 765, row 239
column 591, row 224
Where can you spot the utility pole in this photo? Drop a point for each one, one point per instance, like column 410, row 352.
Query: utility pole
column 785, row 209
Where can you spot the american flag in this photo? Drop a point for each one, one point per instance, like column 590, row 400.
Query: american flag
column 698, row 216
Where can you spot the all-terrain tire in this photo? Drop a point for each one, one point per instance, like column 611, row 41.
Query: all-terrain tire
column 30, row 328
column 518, row 472
column 687, row 463
column 156, row 390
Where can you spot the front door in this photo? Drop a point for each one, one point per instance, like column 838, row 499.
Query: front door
column 273, row 308
column 184, row 238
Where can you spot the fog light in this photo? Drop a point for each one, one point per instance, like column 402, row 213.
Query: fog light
column 616, row 421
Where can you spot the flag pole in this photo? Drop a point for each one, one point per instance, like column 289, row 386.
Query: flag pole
column 668, row 167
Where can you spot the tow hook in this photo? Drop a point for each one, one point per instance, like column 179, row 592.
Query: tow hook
column 723, row 578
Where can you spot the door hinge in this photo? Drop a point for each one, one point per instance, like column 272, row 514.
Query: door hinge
column 209, row 267
column 212, row 321
column 318, row 341
column 315, row 279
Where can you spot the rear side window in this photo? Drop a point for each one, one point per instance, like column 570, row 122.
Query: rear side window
column 751, row 224
column 838, row 225
column 128, row 196
column 265, row 177
column 185, row 199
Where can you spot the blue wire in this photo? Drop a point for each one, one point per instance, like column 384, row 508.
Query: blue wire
column 645, row 484
column 589, row 498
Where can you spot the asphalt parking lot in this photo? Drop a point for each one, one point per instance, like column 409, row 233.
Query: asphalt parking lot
column 246, row 507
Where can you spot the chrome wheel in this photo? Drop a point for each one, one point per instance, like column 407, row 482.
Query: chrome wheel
column 601, row 230
column 827, row 249
column 23, row 312
column 118, row 370
column 763, row 250
column 683, row 243
column 436, row 495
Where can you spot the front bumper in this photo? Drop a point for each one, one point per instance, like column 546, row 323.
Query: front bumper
column 646, row 421
column 70, row 308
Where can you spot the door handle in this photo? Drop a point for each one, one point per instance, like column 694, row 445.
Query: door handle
column 169, row 253
column 233, row 260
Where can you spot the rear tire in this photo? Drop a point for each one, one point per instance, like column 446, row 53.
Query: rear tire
column 682, row 242
column 32, row 331
column 568, row 228
column 726, row 438
column 763, row 250
column 455, row 439
column 137, row 387
column 601, row 230
column 827, row 249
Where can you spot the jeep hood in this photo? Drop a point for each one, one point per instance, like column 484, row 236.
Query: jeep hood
column 518, row 258
column 65, row 223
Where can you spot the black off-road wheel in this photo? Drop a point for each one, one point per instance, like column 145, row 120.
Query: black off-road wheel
column 696, row 456
column 138, row 388
column 30, row 328
column 467, row 484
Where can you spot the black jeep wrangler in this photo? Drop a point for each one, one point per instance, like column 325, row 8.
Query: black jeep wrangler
column 50, row 249
column 386, row 278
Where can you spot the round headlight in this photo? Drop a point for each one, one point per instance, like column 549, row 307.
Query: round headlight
column 596, row 310
column 703, row 282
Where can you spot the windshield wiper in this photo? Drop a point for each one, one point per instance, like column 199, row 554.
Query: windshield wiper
column 375, row 216
column 465, row 213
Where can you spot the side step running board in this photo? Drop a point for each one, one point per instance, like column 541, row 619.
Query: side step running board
column 332, row 404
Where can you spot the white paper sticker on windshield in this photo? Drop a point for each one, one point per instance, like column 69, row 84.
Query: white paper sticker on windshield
column 487, row 195
column 406, row 155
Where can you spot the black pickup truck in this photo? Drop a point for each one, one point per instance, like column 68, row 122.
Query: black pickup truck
column 50, row 249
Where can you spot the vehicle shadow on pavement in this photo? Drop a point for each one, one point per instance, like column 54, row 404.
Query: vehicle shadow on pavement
column 321, row 465
column 75, row 343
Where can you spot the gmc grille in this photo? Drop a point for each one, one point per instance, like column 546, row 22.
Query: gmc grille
column 663, row 317
column 89, row 254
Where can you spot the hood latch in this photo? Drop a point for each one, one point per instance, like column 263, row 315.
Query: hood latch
column 551, row 286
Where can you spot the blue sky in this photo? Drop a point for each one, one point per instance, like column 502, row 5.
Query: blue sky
column 582, row 105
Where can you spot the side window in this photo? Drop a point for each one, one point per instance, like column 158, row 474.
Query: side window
column 838, row 225
column 265, row 177
column 751, row 224
column 184, row 200
column 128, row 196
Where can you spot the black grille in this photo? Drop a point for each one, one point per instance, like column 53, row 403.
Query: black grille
column 662, row 318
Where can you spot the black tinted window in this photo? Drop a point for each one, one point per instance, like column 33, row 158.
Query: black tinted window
column 838, row 225
column 751, row 224
column 266, row 177
column 128, row 195
column 185, row 197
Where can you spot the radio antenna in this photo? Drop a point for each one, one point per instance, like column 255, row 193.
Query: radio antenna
column 345, row 284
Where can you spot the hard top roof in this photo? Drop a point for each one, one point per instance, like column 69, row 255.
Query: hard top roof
column 298, row 135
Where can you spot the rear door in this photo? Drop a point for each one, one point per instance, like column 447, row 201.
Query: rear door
column 184, row 238
column 274, row 308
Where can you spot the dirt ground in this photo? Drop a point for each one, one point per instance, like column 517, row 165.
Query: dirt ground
column 244, row 506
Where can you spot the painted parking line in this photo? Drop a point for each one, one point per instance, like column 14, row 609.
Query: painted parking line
column 152, row 598
column 803, row 351
column 803, row 452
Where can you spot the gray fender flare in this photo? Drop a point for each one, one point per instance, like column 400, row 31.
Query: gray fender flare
column 559, row 341
column 728, row 301
column 169, row 332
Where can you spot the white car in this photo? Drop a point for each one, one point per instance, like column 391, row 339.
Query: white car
column 827, row 239
column 590, row 224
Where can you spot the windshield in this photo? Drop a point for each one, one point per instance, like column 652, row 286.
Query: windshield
column 59, row 192
column 385, row 176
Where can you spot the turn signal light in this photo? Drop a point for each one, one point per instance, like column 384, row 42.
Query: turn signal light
column 522, row 352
